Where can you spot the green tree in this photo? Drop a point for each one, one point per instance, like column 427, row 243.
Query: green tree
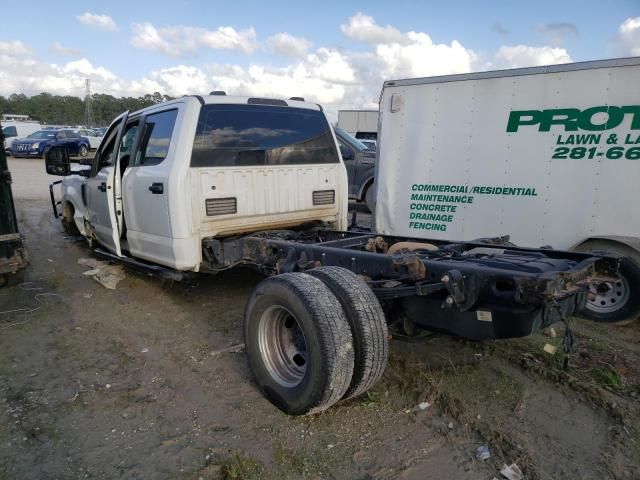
column 69, row 110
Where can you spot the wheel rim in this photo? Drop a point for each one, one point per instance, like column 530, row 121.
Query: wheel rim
column 282, row 346
column 608, row 297
column 83, row 151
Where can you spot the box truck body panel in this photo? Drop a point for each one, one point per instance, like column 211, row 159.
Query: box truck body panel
column 548, row 155
column 359, row 123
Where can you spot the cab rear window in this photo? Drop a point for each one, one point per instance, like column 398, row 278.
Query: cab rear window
column 245, row 135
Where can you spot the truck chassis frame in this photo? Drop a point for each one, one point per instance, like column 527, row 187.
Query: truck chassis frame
column 476, row 290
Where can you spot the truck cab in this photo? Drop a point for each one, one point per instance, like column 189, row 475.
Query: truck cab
column 167, row 177
column 360, row 162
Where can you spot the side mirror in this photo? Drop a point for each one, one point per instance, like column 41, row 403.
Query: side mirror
column 347, row 153
column 57, row 161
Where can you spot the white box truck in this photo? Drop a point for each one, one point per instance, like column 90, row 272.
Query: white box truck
column 362, row 124
column 547, row 155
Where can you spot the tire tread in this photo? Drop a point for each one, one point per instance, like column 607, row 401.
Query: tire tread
column 368, row 325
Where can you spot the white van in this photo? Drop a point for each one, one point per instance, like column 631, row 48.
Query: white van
column 15, row 130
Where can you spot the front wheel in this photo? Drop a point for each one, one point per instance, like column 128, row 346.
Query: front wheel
column 298, row 343
column 83, row 151
column 616, row 301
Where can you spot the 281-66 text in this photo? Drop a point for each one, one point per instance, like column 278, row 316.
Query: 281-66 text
column 612, row 153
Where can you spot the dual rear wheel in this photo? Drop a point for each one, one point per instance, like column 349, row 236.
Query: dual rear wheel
column 315, row 338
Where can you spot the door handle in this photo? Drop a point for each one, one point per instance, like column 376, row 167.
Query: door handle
column 156, row 188
column 102, row 187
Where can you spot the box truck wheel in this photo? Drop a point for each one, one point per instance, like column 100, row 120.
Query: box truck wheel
column 617, row 301
column 368, row 325
column 298, row 343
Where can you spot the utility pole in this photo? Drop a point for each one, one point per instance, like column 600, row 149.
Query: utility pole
column 88, row 110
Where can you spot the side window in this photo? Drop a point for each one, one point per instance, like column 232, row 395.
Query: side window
column 10, row 132
column 127, row 144
column 345, row 150
column 104, row 157
column 61, row 135
column 158, row 128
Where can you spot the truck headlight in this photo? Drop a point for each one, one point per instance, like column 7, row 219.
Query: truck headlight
column 35, row 146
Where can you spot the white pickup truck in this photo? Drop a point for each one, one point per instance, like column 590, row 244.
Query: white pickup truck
column 206, row 183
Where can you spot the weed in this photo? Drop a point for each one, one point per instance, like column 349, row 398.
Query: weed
column 372, row 398
column 607, row 377
column 239, row 467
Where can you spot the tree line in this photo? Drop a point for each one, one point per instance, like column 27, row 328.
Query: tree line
column 70, row 110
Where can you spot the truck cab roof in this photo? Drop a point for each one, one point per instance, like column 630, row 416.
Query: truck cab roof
column 236, row 100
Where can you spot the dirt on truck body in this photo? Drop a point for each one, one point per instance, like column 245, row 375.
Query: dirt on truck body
column 149, row 381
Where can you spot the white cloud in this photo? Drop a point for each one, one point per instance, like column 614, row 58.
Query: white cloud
column 179, row 40
column 103, row 22
column 518, row 56
column 627, row 41
column 22, row 72
column 325, row 76
column 334, row 78
column 399, row 54
column 14, row 48
column 179, row 80
column 57, row 47
column 423, row 58
column 84, row 68
column 289, row 45
column 363, row 28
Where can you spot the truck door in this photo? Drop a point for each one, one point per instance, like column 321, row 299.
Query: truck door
column 145, row 189
column 100, row 189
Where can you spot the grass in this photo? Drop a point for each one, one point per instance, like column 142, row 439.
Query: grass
column 240, row 467
column 608, row 377
column 312, row 461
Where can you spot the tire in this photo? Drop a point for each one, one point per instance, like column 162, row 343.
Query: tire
column 70, row 228
column 368, row 326
column 83, row 151
column 616, row 302
column 68, row 223
column 369, row 198
column 298, row 343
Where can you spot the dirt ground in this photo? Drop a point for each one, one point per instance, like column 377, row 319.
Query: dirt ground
column 131, row 383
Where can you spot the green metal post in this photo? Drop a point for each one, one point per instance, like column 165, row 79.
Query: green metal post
column 13, row 254
column 8, row 221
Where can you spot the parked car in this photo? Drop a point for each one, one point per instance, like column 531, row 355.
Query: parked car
column 361, row 165
column 38, row 142
column 91, row 135
column 15, row 130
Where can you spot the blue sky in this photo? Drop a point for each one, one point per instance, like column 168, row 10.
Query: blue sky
column 335, row 52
